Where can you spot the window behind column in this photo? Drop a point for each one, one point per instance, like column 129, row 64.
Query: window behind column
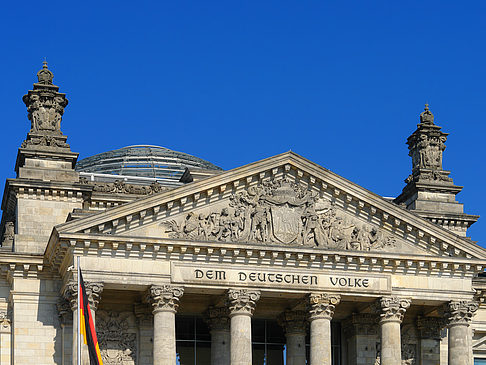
column 193, row 341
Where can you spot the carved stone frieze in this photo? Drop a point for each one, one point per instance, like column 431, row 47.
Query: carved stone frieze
column 281, row 212
column 120, row 187
column 165, row 297
column 5, row 320
column 293, row 322
column 118, row 342
column 391, row 308
column 242, row 301
column 361, row 324
column 322, row 305
column 217, row 318
column 459, row 311
column 430, row 327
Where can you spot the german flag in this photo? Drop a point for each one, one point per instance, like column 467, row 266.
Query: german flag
column 86, row 324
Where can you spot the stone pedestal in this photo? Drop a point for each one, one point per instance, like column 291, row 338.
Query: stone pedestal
column 294, row 324
column 458, row 315
column 219, row 326
column 321, row 310
column 242, row 304
column 391, row 311
column 165, row 302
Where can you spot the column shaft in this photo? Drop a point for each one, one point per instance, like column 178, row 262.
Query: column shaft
column 320, row 341
column 164, row 338
column 241, row 347
column 220, row 347
column 391, row 348
column 296, row 349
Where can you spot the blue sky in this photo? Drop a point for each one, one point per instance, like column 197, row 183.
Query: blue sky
column 341, row 83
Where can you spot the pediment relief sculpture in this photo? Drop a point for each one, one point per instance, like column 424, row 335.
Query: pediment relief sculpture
column 282, row 212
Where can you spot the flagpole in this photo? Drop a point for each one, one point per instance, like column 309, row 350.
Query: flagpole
column 78, row 335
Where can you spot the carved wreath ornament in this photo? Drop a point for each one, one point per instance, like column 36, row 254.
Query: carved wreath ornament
column 281, row 212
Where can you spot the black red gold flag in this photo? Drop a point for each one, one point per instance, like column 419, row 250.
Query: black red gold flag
column 87, row 328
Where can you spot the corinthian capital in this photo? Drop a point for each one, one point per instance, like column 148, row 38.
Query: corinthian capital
column 459, row 311
column 165, row 298
column 242, row 301
column 93, row 291
column 293, row 322
column 322, row 305
column 392, row 309
column 217, row 318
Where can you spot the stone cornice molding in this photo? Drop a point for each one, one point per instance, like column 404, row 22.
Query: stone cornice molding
column 459, row 312
column 242, row 301
column 391, row 309
column 165, row 298
column 322, row 305
column 355, row 199
column 430, row 327
column 93, row 291
column 217, row 318
column 228, row 252
column 293, row 322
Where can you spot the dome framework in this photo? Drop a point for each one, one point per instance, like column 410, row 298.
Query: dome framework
column 144, row 161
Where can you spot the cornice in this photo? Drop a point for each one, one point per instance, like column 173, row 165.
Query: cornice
column 21, row 265
column 68, row 244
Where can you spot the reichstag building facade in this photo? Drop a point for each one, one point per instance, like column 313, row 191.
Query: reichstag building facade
column 277, row 262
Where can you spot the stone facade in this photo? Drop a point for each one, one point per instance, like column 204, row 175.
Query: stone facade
column 350, row 277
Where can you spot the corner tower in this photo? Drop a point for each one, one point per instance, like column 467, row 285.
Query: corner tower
column 430, row 192
column 44, row 154
column 47, row 187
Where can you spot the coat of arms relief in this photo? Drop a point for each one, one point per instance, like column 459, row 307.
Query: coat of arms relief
column 282, row 212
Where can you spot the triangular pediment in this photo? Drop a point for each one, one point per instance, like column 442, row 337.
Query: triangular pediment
column 284, row 200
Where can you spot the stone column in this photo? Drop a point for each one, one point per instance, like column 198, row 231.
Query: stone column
column 218, row 321
column 458, row 315
column 361, row 336
column 429, row 330
column 241, row 304
column 145, row 318
column 165, row 302
column 66, row 320
column 391, row 311
column 93, row 291
column 294, row 324
column 321, row 310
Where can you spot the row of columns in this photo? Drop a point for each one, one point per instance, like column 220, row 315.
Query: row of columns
column 230, row 326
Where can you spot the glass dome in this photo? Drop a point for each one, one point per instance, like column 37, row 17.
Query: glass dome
column 144, row 161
